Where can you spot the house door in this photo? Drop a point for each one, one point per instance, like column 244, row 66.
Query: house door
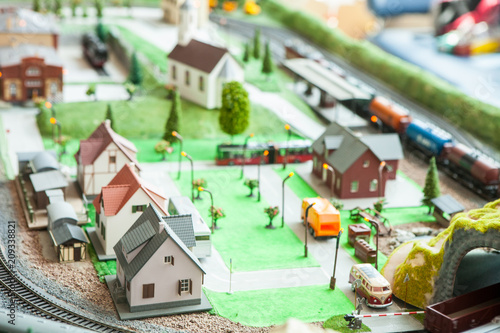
column 77, row 252
column 32, row 93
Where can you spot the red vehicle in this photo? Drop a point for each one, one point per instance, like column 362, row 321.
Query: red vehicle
column 390, row 114
column 298, row 151
column 373, row 287
column 464, row 312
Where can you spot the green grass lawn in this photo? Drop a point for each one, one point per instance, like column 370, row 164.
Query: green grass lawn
column 296, row 183
column 275, row 306
column 243, row 236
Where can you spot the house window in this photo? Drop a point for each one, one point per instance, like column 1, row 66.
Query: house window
column 128, row 285
column 185, row 286
column 338, row 184
column 13, row 90
column 202, row 84
column 366, row 164
column 53, row 88
column 354, row 186
column 103, row 231
column 97, row 219
column 174, row 73
column 187, row 78
column 139, row 208
column 33, row 83
column 202, row 238
column 33, row 71
column 148, row 290
column 168, row 260
column 373, row 185
column 112, row 159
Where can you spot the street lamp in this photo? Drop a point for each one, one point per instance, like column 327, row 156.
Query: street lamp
column 333, row 280
column 380, row 169
column 244, row 151
column 178, row 136
column 327, row 167
column 307, row 226
column 201, row 189
column 192, row 173
column 266, row 152
column 375, row 224
column 283, row 199
column 287, row 127
column 54, row 121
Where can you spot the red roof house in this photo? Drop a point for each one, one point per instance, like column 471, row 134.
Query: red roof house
column 101, row 156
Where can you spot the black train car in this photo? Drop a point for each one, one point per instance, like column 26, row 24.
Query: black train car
column 94, row 50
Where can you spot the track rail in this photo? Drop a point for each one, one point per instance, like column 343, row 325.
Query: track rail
column 13, row 285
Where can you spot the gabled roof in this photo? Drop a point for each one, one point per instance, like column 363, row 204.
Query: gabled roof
column 182, row 225
column 199, row 55
column 44, row 161
column 447, row 204
column 184, row 206
column 48, row 180
column 348, row 147
column 97, row 142
column 66, row 232
column 20, row 20
column 11, row 56
column 139, row 234
column 61, row 211
column 121, row 188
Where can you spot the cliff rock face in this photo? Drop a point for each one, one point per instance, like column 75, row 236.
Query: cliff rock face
column 431, row 265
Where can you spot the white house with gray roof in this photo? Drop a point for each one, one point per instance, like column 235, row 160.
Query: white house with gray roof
column 154, row 265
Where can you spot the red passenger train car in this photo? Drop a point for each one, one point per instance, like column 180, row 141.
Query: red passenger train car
column 298, row 151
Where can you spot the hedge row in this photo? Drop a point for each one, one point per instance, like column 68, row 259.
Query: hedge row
column 476, row 117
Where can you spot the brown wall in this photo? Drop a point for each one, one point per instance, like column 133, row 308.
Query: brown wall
column 12, row 39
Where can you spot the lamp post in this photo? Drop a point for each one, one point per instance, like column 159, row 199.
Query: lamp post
column 375, row 224
column 244, row 151
column 307, row 226
column 201, row 189
column 283, row 199
column 54, row 121
column 380, row 169
column 192, row 173
column 266, row 152
column 333, row 280
column 287, row 127
column 327, row 167
column 178, row 136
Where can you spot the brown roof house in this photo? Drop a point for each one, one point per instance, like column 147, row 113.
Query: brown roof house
column 198, row 69
column 24, row 26
column 30, row 71
column 361, row 164
column 171, row 11
column 117, row 207
column 156, row 273
column 101, row 156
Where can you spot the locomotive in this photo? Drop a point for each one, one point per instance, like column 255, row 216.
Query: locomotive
column 94, row 50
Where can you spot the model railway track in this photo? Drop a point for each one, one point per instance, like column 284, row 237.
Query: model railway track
column 13, row 285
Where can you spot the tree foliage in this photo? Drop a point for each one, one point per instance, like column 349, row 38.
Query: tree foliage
column 173, row 122
column 246, row 54
column 91, row 90
column 256, row 44
column 216, row 213
column 251, row 184
column 109, row 115
column 431, row 188
column 272, row 212
column 135, row 72
column 235, row 112
column 163, row 148
column 36, row 6
column 267, row 63
column 101, row 32
column 98, row 7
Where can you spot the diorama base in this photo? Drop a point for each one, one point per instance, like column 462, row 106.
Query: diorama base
column 124, row 311
column 97, row 246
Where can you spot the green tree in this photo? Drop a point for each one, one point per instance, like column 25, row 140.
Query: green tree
column 197, row 183
column 36, row 6
column 98, row 7
column 235, row 112
column 246, row 55
column 73, row 5
column 173, row 122
column 338, row 204
column 135, row 73
column 101, row 32
column 163, row 147
column 57, row 7
column 217, row 213
column 43, row 118
column 109, row 115
column 131, row 89
column 91, row 91
column 271, row 212
column 251, row 184
column 379, row 204
column 256, row 44
column 431, row 188
column 84, row 11
column 267, row 63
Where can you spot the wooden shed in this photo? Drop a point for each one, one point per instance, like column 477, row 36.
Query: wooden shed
column 445, row 207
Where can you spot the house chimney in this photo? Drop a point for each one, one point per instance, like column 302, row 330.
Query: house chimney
column 108, row 123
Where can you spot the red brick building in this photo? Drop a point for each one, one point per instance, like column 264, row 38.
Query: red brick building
column 29, row 71
column 356, row 161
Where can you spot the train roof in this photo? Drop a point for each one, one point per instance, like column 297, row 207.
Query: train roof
column 261, row 145
column 325, row 80
column 431, row 129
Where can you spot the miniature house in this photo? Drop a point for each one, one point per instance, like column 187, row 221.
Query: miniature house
column 171, row 11
column 445, row 207
column 360, row 163
column 43, row 181
column 202, row 234
column 120, row 203
column 70, row 242
column 198, row 69
column 154, row 267
column 101, row 156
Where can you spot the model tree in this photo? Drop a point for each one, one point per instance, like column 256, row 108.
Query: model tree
column 267, row 63
column 91, row 91
column 57, row 7
column 36, row 5
column 73, row 5
column 131, row 89
column 251, row 184
column 338, row 204
column 216, row 213
column 246, row 54
column 235, row 112
column 431, row 188
column 271, row 212
column 173, row 122
column 109, row 115
column 379, row 204
column 98, row 7
column 163, row 148
column 197, row 183
column 135, row 72
column 256, row 44
column 101, row 32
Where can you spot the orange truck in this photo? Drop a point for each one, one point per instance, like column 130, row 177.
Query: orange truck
column 323, row 218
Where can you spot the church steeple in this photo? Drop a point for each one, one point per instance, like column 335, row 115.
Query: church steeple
column 188, row 22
